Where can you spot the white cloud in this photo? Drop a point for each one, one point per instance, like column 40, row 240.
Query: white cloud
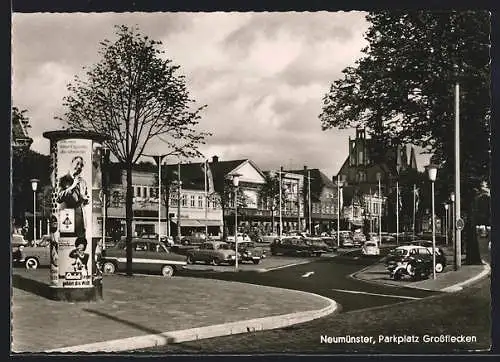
column 262, row 75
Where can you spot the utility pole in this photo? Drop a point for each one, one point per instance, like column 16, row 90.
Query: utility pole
column 309, row 200
column 458, row 237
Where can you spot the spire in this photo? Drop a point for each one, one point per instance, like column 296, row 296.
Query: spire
column 413, row 159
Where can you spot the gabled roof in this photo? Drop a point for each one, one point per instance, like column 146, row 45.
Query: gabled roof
column 220, row 169
column 318, row 181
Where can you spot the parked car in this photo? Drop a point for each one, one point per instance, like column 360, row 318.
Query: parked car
column 241, row 237
column 148, row 255
column 403, row 252
column 33, row 257
column 370, row 248
column 18, row 243
column 319, row 246
column 346, row 239
column 213, row 252
column 388, row 238
column 196, row 238
column 269, row 238
column 294, row 246
column 247, row 251
column 358, row 238
column 374, row 238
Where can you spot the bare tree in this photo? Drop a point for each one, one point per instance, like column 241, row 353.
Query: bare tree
column 133, row 95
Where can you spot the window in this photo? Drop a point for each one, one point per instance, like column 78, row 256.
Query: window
column 137, row 191
column 208, row 204
column 141, row 246
column 154, row 192
column 144, row 192
column 193, row 201
column 184, row 201
column 200, row 201
column 173, row 200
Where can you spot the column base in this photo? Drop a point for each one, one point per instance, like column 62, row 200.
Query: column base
column 75, row 294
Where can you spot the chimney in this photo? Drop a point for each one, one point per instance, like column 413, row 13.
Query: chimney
column 215, row 159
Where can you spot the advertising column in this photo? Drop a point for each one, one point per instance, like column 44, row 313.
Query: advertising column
column 75, row 246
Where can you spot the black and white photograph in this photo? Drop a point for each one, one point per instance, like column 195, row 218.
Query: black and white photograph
column 278, row 182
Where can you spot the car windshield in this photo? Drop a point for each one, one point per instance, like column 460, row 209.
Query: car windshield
column 370, row 244
column 44, row 242
column 224, row 246
column 399, row 252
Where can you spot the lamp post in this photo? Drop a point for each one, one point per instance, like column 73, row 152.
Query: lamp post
column 34, row 187
column 309, row 200
column 432, row 173
column 280, row 203
column 446, row 206
column 236, row 182
column 339, row 185
column 379, row 177
column 105, row 190
column 453, row 240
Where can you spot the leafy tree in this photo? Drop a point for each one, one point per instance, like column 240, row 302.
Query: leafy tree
column 133, row 95
column 402, row 91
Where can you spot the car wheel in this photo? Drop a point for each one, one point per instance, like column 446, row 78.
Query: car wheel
column 31, row 263
column 439, row 267
column 167, row 271
column 215, row 262
column 256, row 261
column 189, row 259
column 109, row 268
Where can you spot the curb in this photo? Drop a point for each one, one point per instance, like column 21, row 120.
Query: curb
column 218, row 330
column 459, row 286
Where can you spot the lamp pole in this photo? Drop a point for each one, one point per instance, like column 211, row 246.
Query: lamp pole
column 179, row 192
column 105, row 186
column 446, row 206
column 280, row 201
column 309, row 200
column 432, row 171
column 456, row 256
column 338, row 209
column 236, row 181
column 397, row 212
column 34, row 187
column 457, row 231
column 379, row 177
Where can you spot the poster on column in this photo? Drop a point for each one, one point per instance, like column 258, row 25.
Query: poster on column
column 74, row 198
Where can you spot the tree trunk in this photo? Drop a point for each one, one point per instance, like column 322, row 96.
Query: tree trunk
column 129, row 217
column 472, row 255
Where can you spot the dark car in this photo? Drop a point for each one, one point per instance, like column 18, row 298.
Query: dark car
column 212, row 252
column 148, row 255
column 402, row 253
column 247, row 251
column 294, row 246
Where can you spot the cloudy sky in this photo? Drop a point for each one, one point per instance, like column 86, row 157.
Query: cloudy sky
column 262, row 75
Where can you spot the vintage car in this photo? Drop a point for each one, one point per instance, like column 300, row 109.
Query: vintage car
column 402, row 253
column 370, row 248
column 294, row 246
column 241, row 237
column 18, row 243
column 269, row 238
column 247, row 251
column 346, row 239
column 33, row 257
column 148, row 255
column 212, row 252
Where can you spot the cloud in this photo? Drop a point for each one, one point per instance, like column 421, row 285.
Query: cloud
column 262, row 75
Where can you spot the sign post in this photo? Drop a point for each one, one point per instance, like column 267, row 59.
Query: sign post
column 76, row 238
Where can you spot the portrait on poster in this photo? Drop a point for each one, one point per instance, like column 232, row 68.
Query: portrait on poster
column 74, row 176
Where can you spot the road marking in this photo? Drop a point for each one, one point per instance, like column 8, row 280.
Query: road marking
column 308, row 274
column 375, row 294
column 285, row 266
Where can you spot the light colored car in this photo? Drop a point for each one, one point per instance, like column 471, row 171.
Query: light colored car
column 212, row 252
column 241, row 237
column 33, row 257
column 374, row 237
column 269, row 238
column 370, row 248
column 148, row 255
column 346, row 239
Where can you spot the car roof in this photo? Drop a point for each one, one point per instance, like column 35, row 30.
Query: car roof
column 409, row 247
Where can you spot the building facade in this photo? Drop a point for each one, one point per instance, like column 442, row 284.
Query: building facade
column 365, row 203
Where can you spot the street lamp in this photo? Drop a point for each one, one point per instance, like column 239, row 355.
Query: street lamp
column 34, row 187
column 236, row 182
column 339, row 185
column 379, row 177
column 446, row 207
column 432, row 173
column 452, row 223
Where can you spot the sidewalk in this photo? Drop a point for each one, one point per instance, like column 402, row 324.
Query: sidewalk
column 144, row 311
column 447, row 281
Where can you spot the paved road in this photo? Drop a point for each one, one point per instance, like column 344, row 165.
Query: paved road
column 328, row 276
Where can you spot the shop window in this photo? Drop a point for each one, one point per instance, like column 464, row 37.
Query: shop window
column 200, row 201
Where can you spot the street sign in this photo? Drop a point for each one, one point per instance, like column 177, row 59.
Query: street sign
column 460, row 224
